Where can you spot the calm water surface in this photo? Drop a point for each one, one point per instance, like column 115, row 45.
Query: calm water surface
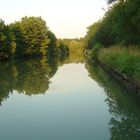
column 64, row 102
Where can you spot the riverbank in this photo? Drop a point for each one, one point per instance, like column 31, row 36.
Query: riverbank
column 121, row 63
column 124, row 80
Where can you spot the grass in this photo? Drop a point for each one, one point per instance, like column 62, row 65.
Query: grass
column 125, row 60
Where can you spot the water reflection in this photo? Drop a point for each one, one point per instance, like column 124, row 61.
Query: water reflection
column 125, row 113
column 28, row 77
column 32, row 76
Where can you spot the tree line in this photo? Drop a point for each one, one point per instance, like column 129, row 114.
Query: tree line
column 120, row 25
column 28, row 37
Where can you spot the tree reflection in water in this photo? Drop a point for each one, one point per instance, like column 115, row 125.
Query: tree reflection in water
column 28, row 77
column 31, row 76
column 125, row 113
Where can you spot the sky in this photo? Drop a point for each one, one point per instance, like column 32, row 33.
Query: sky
column 65, row 18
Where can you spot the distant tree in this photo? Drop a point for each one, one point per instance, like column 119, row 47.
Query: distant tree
column 61, row 50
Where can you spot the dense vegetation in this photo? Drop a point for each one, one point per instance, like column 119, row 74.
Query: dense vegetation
column 76, row 49
column 28, row 37
column 120, row 30
column 119, row 25
column 7, row 41
column 126, row 60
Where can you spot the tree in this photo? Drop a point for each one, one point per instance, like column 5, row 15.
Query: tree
column 31, row 36
column 52, row 43
column 120, row 25
column 7, row 41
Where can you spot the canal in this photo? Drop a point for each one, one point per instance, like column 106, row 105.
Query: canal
column 69, row 101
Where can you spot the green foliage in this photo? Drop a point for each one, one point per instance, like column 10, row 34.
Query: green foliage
column 95, row 50
column 62, row 50
column 72, row 49
column 92, row 30
column 125, row 60
column 100, row 32
column 28, row 37
column 76, row 50
column 52, row 43
column 7, row 41
column 76, row 46
column 31, row 36
column 119, row 25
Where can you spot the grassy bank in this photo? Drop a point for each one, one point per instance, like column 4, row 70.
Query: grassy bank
column 125, row 60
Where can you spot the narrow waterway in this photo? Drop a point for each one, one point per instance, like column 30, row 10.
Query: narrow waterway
column 67, row 102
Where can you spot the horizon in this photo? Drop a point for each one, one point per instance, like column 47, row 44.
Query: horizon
column 66, row 19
